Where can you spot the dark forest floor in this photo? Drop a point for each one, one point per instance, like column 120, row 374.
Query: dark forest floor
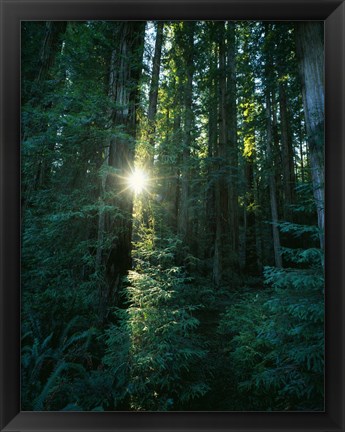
column 217, row 398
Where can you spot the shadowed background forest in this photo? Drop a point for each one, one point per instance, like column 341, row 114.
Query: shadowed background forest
column 172, row 216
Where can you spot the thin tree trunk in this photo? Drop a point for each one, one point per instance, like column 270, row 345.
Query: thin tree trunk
column 250, row 228
column 287, row 155
column 272, row 140
column 217, row 271
column 153, row 95
column 232, row 137
column 222, row 240
column 212, row 144
column 272, row 187
column 258, row 227
column 177, row 142
column 188, row 54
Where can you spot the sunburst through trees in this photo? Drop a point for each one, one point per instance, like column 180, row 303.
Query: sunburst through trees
column 172, row 216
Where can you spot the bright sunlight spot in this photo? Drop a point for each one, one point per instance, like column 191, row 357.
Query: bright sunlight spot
column 137, row 181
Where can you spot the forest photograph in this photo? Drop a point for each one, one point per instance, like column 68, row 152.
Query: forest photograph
column 172, row 216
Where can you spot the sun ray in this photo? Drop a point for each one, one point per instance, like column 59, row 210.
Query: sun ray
column 137, row 181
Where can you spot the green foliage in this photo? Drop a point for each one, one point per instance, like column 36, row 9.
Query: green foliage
column 276, row 337
column 50, row 366
column 297, row 230
column 50, row 387
column 167, row 339
column 154, row 350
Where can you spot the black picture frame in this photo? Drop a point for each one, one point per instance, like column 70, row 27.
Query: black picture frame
column 12, row 12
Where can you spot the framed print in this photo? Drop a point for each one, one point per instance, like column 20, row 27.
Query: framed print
column 172, row 215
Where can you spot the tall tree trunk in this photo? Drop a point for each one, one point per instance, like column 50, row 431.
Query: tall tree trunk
column 176, row 169
column 287, row 154
column 125, row 71
column 272, row 141
column 210, row 204
column 212, row 132
column 232, row 138
column 272, row 186
column 222, row 240
column 153, row 95
column 50, row 47
column 170, row 172
column 226, row 188
column 176, row 176
column 250, row 226
column 148, row 159
column 188, row 57
column 310, row 53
